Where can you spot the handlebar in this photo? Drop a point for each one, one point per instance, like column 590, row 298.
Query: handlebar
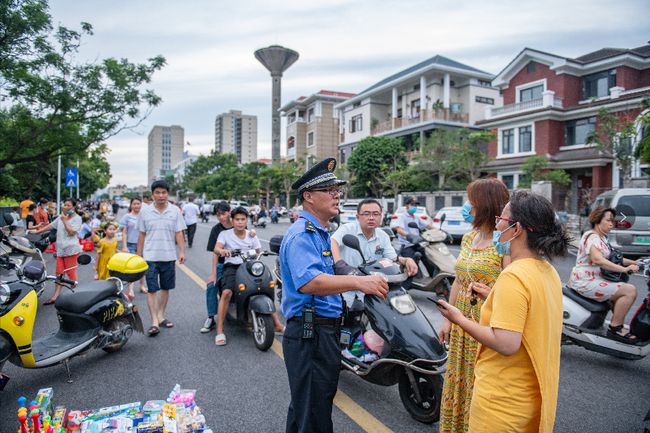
column 66, row 281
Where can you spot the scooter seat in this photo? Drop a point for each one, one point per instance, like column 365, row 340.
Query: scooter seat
column 588, row 304
column 85, row 296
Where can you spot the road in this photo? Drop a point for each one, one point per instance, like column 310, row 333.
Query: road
column 241, row 389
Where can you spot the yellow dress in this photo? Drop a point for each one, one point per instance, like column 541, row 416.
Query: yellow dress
column 482, row 265
column 107, row 248
column 518, row 393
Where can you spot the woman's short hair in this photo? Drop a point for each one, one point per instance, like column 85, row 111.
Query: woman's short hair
column 536, row 216
column 597, row 215
column 488, row 197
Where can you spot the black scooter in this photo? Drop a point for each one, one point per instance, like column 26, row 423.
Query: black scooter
column 252, row 301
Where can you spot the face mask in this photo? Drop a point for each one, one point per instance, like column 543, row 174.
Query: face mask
column 502, row 248
column 412, row 210
column 466, row 211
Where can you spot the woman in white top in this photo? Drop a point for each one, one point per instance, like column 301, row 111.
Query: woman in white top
column 587, row 279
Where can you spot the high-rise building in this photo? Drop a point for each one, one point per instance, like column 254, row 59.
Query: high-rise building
column 165, row 150
column 236, row 133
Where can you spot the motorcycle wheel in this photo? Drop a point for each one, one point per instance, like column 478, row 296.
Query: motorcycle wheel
column 430, row 387
column 121, row 325
column 265, row 332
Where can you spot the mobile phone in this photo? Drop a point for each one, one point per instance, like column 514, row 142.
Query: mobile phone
column 438, row 304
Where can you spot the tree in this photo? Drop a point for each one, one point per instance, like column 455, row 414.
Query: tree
column 289, row 172
column 56, row 107
column 535, row 168
column 642, row 151
column 372, row 161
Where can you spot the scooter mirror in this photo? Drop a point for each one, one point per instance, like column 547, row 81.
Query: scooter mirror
column 8, row 219
column 443, row 217
column 352, row 241
column 84, row 259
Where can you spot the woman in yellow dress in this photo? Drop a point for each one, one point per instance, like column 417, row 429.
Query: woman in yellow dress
column 518, row 364
column 106, row 248
column 477, row 268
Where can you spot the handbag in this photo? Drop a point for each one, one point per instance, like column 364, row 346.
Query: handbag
column 615, row 257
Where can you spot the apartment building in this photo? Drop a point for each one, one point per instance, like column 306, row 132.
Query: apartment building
column 436, row 93
column 551, row 106
column 313, row 126
column 236, row 133
column 165, row 150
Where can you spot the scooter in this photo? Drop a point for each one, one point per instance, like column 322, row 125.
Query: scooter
column 92, row 315
column 436, row 258
column 253, row 301
column 412, row 356
column 260, row 222
column 584, row 323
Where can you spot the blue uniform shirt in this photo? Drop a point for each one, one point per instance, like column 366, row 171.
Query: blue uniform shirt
column 306, row 253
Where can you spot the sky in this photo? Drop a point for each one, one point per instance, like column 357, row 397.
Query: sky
column 344, row 45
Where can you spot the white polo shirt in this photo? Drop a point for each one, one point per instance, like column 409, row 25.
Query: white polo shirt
column 160, row 230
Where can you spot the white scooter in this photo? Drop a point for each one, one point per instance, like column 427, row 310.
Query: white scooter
column 584, row 323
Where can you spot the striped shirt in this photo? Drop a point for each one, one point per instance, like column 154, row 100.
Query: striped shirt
column 160, row 230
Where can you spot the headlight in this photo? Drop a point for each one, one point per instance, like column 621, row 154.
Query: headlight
column 5, row 294
column 403, row 303
column 257, row 269
column 443, row 249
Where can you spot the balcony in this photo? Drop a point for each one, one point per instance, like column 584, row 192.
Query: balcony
column 443, row 114
column 291, row 152
column 548, row 100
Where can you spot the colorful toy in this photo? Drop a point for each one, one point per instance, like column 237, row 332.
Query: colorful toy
column 22, row 419
column 34, row 414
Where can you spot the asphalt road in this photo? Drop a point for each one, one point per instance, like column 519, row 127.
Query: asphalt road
column 242, row 389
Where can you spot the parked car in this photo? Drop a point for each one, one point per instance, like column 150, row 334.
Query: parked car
column 421, row 213
column 237, row 203
column 349, row 211
column 631, row 234
column 454, row 223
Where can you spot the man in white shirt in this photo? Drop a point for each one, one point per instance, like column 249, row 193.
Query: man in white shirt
column 191, row 214
column 403, row 229
column 161, row 228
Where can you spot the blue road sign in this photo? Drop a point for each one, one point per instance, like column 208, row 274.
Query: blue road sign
column 70, row 177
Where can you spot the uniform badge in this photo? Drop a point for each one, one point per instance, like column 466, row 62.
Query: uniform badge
column 331, row 165
column 310, row 227
column 327, row 253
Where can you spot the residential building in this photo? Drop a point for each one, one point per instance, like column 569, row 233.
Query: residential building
column 236, row 133
column 436, row 93
column 551, row 106
column 116, row 191
column 165, row 150
column 313, row 126
column 180, row 168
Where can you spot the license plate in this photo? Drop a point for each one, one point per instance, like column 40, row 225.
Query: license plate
column 642, row 240
column 453, row 223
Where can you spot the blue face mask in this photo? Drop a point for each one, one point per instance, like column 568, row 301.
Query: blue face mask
column 466, row 211
column 503, row 248
column 412, row 210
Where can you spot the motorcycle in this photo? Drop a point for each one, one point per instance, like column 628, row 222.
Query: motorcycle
column 253, row 301
column 259, row 222
column 91, row 315
column 584, row 323
column 438, row 261
column 412, row 356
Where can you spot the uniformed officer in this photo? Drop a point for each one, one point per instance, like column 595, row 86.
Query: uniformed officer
column 312, row 302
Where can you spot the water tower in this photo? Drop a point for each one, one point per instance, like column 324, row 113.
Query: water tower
column 276, row 59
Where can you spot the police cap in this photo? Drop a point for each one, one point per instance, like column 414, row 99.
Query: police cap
column 319, row 176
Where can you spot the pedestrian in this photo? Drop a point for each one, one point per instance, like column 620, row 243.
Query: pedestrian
column 30, row 220
column 40, row 214
column 105, row 250
column 222, row 209
column 85, row 231
column 146, row 200
column 67, row 245
column 518, row 364
column 115, row 207
column 161, row 228
column 312, row 304
column 24, row 206
column 408, row 249
column 191, row 214
column 130, row 234
column 477, row 268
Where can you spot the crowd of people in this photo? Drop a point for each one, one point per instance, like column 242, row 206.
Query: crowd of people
column 502, row 322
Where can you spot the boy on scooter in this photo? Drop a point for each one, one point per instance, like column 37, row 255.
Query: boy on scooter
column 237, row 238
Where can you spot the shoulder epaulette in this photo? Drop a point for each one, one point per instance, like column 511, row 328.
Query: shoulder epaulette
column 310, row 227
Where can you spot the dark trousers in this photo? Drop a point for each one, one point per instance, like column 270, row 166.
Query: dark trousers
column 191, row 229
column 313, row 366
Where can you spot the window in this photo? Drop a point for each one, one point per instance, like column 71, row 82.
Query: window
column 577, row 131
column 342, row 158
column 399, row 113
column 484, row 83
column 525, row 139
column 530, row 68
column 310, row 138
column 507, row 141
column 310, row 114
column 597, row 85
column 356, row 104
column 531, row 93
column 356, row 123
column 457, row 200
column 484, row 100
column 415, row 108
column 509, row 180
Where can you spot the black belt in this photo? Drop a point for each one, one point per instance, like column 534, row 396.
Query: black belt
column 323, row 321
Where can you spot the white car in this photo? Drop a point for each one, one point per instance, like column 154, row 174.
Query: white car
column 349, row 212
column 420, row 213
column 454, row 223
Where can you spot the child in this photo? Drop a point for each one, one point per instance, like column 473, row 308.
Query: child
column 105, row 250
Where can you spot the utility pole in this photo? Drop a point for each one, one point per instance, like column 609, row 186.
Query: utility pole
column 77, row 180
column 58, row 187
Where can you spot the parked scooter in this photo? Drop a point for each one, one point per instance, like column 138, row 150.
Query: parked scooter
column 412, row 356
column 584, row 323
column 260, row 222
column 92, row 315
column 253, row 301
column 438, row 261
